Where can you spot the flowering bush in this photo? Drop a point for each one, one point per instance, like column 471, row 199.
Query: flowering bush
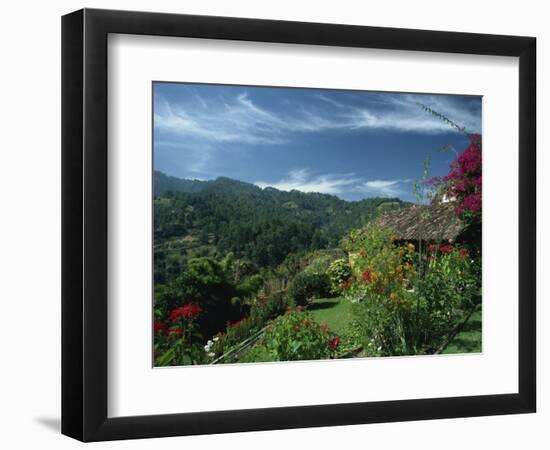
column 339, row 272
column 294, row 336
column 176, row 341
column 381, row 270
column 451, row 281
column 187, row 311
column 406, row 303
column 441, row 298
column 464, row 181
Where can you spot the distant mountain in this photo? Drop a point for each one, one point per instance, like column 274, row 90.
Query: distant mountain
column 264, row 226
column 164, row 183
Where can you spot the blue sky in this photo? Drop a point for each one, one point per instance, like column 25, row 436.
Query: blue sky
column 352, row 144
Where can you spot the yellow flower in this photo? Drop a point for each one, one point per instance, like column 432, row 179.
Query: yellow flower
column 410, row 247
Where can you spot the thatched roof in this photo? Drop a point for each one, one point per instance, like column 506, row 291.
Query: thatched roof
column 434, row 222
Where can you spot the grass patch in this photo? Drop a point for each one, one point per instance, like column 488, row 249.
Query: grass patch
column 335, row 312
column 469, row 339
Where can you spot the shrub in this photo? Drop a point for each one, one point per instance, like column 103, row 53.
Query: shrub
column 381, row 270
column 463, row 183
column 444, row 294
column 206, row 283
column 177, row 337
column 294, row 336
column 250, row 286
column 382, row 277
column 307, row 286
column 319, row 261
column 261, row 311
column 339, row 272
column 407, row 304
column 259, row 353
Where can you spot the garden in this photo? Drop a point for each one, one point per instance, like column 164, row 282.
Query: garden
column 406, row 282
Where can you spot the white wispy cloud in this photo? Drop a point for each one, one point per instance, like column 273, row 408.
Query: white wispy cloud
column 346, row 185
column 302, row 180
column 236, row 121
column 384, row 188
column 403, row 113
column 238, row 118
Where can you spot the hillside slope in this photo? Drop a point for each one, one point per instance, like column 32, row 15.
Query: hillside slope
column 264, row 226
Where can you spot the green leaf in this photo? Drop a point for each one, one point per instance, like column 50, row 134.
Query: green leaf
column 186, row 359
column 166, row 358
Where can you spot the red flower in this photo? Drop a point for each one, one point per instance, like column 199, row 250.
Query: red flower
column 367, row 276
column 159, row 327
column 463, row 252
column 446, row 248
column 432, row 248
column 188, row 311
column 333, row 343
column 175, row 331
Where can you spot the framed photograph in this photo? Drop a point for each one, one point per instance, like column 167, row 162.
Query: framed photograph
column 272, row 224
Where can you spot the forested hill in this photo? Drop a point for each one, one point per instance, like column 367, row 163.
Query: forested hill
column 163, row 184
column 261, row 225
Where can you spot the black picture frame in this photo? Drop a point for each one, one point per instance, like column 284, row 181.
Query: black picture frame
column 84, row 224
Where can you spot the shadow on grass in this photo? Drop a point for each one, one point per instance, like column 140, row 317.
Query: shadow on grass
column 472, row 325
column 322, row 305
column 464, row 346
column 469, row 338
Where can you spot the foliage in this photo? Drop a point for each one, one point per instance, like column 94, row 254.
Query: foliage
column 206, row 283
column 443, row 118
column 447, row 290
column 405, row 307
column 294, row 336
column 338, row 273
column 307, row 286
column 261, row 311
column 263, row 226
column 177, row 339
column 319, row 261
column 464, row 181
column 230, row 257
column 249, row 287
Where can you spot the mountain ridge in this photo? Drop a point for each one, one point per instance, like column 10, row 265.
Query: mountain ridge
column 261, row 225
column 163, row 183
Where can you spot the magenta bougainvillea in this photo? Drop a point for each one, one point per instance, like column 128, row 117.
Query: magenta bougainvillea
column 464, row 180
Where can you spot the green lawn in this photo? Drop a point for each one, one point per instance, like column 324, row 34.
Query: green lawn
column 469, row 339
column 335, row 312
